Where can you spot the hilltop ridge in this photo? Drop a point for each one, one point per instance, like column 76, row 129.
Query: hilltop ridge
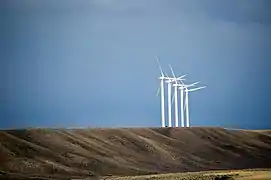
column 132, row 151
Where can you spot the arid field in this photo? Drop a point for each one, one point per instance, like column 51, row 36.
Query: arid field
column 116, row 153
column 209, row 175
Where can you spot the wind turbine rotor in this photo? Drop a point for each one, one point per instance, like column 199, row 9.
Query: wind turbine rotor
column 177, row 79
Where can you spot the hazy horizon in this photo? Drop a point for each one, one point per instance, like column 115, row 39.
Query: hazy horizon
column 92, row 63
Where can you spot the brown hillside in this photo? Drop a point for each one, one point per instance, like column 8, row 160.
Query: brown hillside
column 125, row 151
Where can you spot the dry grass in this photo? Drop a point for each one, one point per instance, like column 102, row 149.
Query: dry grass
column 66, row 153
column 213, row 175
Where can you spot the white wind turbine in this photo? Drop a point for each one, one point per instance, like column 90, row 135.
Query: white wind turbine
column 186, row 103
column 169, row 104
column 181, row 88
column 162, row 77
column 176, row 97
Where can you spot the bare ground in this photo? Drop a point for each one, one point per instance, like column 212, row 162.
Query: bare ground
column 62, row 153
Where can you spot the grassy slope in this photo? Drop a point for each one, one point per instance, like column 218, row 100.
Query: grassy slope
column 132, row 151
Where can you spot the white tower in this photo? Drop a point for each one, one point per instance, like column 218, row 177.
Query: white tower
column 169, row 103
column 176, row 105
column 182, row 108
column 186, row 108
column 162, row 103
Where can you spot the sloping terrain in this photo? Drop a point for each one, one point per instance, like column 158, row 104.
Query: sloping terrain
column 135, row 151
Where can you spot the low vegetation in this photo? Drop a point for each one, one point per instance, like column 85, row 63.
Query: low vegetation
column 217, row 175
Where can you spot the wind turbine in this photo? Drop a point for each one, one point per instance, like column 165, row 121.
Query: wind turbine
column 181, row 88
column 186, row 102
column 161, row 88
column 176, row 97
column 162, row 77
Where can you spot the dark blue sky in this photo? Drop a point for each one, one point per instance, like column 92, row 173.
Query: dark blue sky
column 92, row 63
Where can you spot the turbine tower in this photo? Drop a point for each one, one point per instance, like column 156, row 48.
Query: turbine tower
column 182, row 109
column 176, row 105
column 169, row 104
column 186, row 103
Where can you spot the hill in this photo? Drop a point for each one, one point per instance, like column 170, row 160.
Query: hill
column 131, row 151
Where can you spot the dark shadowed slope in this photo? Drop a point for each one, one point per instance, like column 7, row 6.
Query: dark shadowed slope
column 132, row 151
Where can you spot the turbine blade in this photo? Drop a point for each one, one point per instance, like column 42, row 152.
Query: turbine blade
column 180, row 77
column 196, row 82
column 181, row 80
column 193, row 84
column 172, row 99
column 159, row 65
column 158, row 91
column 172, row 71
column 184, row 101
column 195, row 89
